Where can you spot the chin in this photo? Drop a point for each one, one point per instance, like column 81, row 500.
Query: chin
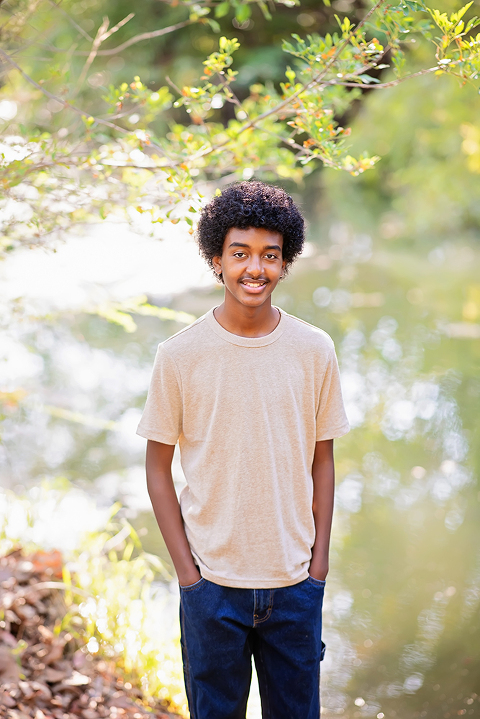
column 255, row 301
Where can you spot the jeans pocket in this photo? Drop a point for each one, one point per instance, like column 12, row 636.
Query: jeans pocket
column 192, row 587
column 316, row 582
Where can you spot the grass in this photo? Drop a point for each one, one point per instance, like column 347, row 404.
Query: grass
column 111, row 589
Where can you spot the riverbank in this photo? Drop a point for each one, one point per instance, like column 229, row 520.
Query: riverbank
column 47, row 667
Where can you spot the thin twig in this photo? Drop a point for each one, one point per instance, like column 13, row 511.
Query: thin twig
column 49, row 94
column 77, row 110
column 91, row 56
column 103, row 34
column 381, row 85
column 68, row 60
column 311, row 83
column 145, row 36
column 72, row 21
column 128, row 43
column 172, row 85
column 316, row 80
column 68, row 105
column 290, row 142
column 15, row 14
column 189, row 3
column 233, row 99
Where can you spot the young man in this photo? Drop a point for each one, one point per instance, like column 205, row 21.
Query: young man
column 252, row 394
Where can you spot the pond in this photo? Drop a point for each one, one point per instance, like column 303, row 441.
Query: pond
column 402, row 604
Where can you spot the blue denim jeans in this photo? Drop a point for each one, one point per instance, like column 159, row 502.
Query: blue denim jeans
column 222, row 627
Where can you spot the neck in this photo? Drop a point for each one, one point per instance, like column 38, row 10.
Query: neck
column 247, row 321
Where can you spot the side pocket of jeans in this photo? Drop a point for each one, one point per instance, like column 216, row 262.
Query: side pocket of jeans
column 316, row 582
column 192, row 587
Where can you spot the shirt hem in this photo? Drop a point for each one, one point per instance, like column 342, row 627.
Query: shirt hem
column 334, row 434
column 155, row 436
column 252, row 583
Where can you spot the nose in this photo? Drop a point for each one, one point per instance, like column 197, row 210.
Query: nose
column 255, row 265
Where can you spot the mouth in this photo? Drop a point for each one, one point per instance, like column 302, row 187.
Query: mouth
column 253, row 284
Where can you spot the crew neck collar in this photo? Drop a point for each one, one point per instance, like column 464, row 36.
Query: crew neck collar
column 247, row 341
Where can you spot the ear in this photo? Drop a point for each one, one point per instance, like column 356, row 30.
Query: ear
column 217, row 264
column 284, row 263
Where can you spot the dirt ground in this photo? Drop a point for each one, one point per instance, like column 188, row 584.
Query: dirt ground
column 46, row 673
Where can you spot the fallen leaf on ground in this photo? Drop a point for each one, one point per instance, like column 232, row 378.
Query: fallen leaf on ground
column 46, row 673
column 9, row 671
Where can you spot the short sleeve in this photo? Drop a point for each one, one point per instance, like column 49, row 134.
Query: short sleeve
column 162, row 417
column 331, row 419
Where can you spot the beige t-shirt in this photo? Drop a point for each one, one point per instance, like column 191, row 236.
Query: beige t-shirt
column 247, row 412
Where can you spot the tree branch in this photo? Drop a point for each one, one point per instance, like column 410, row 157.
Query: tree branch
column 72, row 21
column 189, row 3
column 127, row 43
column 145, row 36
column 391, row 83
column 68, row 105
column 314, row 81
column 91, row 56
column 103, row 33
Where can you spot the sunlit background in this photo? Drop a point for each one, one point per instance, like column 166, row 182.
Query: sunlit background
column 391, row 271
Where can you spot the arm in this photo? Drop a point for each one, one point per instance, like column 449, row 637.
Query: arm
column 167, row 510
column 323, row 473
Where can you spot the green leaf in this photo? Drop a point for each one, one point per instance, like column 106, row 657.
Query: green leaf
column 213, row 24
column 288, row 47
column 398, row 61
column 222, row 9
column 473, row 22
column 367, row 79
column 290, row 74
column 463, row 10
column 242, row 13
column 266, row 13
column 413, row 5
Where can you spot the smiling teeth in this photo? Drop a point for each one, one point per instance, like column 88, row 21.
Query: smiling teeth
column 253, row 284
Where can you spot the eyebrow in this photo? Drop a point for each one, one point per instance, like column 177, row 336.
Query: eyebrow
column 267, row 247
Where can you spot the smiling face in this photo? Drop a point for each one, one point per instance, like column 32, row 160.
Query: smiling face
column 251, row 264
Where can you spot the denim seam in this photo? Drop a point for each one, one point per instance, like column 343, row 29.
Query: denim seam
column 266, row 714
column 188, row 683
column 319, row 687
column 256, row 620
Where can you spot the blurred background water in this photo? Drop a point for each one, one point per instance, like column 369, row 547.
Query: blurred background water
column 403, row 595
column 391, row 271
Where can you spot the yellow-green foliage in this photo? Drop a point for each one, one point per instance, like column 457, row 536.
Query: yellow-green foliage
column 122, row 149
column 115, row 610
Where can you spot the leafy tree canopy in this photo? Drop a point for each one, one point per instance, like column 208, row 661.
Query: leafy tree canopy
column 115, row 114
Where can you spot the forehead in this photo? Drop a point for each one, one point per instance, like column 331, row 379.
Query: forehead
column 255, row 237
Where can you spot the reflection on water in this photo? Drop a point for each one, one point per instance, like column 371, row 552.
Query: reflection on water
column 402, row 621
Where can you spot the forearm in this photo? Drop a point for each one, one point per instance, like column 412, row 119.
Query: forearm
column 323, row 473
column 167, row 512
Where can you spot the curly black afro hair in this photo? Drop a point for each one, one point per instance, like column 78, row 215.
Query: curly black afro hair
column 250, row 204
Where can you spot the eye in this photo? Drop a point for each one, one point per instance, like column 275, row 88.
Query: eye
column 271, row 256
column 239, row 254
